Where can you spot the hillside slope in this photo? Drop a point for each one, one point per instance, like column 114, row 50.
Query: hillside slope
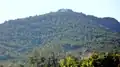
column 61, row 31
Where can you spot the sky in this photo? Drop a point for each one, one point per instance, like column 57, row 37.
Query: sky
column 13, row 9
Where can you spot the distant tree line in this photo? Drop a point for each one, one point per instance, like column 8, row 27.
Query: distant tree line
column 94, row 60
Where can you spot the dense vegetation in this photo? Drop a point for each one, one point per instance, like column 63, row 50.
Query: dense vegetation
column 93, row 60
column 59, row 32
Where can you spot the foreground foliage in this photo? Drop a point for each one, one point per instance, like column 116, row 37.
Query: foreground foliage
column 94, row 60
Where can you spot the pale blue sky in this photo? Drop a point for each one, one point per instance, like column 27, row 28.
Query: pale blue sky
column 12, row 9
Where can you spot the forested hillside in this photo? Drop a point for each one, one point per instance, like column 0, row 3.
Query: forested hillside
column 59, row 32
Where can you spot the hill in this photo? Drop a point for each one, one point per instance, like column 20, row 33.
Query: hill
column 61, row 31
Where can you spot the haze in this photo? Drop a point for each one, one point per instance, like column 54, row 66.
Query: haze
column 13, row 9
